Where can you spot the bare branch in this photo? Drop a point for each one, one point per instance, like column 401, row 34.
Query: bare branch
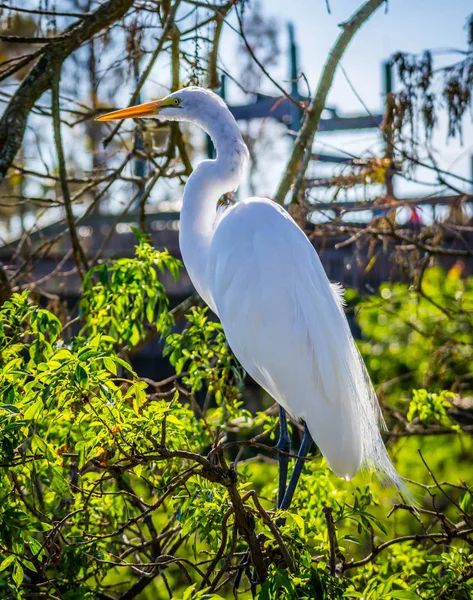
column 81, row 261
column 39, row 80
column 296, row 163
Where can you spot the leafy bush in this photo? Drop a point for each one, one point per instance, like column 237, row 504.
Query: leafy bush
column 116, row 487
column 420, row 336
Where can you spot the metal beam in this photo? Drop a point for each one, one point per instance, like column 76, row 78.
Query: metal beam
column 331, row 158
column 280, row 109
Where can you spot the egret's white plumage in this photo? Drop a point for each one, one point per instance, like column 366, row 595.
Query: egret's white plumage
column 283, row 319
column 284, row 323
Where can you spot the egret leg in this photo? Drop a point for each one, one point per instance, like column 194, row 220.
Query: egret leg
column 284, row 444
column 303, row 450
column 246, row 569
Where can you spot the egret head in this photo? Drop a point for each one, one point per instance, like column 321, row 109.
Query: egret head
column 193, row 104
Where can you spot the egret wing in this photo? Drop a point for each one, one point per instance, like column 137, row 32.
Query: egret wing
column 286, row 325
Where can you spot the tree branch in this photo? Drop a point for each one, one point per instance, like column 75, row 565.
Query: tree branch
column 167, row 29
column 79, row 255
column 40, row 78
column 297, row 165
column 327, row 510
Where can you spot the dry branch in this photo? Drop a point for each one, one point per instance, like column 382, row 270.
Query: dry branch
column 40, row 78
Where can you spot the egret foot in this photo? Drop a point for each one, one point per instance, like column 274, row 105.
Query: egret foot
column 245, row 566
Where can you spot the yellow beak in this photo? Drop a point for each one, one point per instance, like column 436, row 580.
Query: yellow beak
column 132, row 112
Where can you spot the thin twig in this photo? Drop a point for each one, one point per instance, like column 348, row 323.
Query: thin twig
column 79, row 255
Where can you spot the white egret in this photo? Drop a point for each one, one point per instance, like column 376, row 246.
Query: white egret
column 284, row 321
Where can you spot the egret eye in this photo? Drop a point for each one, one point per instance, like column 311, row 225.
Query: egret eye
column 176, row 101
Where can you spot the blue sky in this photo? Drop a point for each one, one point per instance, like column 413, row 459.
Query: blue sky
column 408, row 25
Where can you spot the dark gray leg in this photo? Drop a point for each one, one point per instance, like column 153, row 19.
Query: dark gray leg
column 284, row 444
column 251, row 576
column 303, row 450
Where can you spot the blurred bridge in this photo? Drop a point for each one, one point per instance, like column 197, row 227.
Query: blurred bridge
column 54, row 268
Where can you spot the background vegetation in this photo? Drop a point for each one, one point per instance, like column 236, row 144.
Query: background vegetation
column 117, row 486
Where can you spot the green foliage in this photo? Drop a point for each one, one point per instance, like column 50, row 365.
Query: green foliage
column 113, row 487
column 120, row 298
column 429, row 406
column 420, row 338
column 310, row 583
column 203, row 350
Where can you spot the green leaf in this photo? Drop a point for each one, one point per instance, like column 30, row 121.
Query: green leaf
column 9, row 395
column 189, row 592
column 465, row 503
column 35, row 546
column 63, row 354
column 33, row 409
column 351, row 538
column 402, row 595
column 29, row 565
column 58, row 482
column 6, row 562
column 11, row 408
column 123, row 364
column 135, row 335
column 110, row 365
column 18, row 574
column 80, row 375
column 298, row 520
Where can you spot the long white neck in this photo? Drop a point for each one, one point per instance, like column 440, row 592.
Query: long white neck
column 210, row 180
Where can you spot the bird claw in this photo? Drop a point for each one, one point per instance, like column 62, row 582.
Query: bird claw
column 245, row 566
